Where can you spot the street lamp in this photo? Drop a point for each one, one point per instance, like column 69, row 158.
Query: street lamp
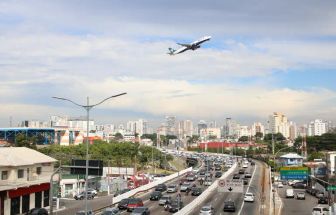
column 87, row 107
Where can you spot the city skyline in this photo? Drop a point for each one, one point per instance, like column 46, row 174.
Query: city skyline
column 284, row 62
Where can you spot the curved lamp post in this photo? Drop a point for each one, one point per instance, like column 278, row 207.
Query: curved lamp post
column 87, row 107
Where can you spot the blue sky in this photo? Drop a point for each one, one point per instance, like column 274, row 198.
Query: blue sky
column 264, row 56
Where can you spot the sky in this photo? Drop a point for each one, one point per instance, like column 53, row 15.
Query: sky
column 264, row 56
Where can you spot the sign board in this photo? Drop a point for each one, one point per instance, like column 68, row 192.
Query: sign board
column 230, row 185
column 331, row 187
column 78, row 167
column 293, row 172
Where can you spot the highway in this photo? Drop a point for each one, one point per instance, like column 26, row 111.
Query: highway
column 217, row 199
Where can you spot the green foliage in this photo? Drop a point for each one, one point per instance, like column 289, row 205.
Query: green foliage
column 153, row 137
column 243, row 139
column 22, row 141
column 118, row 136
column 259, row 135
column 315, row 155
column 117, row 153
column 325, row 142
column 278, row 137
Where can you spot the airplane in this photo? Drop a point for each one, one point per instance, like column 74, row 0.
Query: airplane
column 193, row 46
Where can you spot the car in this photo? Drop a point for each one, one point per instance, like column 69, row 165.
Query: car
column 90, row 212
column 249, row 197
column 248, row 175
column 134, row 203
column 280, row 185
column 122, row 205
column 164, row 199
column 218, row 174
column 245, row 181
column 155, row 195
column 196, row 191
column 218, row 168
column 229, row 206
column 208, row 174
column 191, row 177
column 241, row 171
column 161, row 187
column 111, row 211
column 207, row 210
column 140, row 211
column 252, row 163
column 292, row 182
column 245, row 165
column 319, row 194
column 81, row 196
column 289, row 193
column 299, row 185
column 208, row 182
column 121, row 192
column 322, row 200
column 300, row 195
column 172, row 188
column 320, row 210
column 37, row 211
column 93, row 191
column 174, row 206
column 236, row 176
column 185, row 186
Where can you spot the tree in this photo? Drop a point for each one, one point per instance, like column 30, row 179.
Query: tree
column 315, row 155
column 21, row 140
column 243, row 139
column 259, row 135
column 118, row 136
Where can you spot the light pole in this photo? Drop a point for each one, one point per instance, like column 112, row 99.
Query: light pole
column 87, row 107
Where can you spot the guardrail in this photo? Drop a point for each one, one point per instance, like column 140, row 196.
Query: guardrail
column 199, row 200
column 144, row 188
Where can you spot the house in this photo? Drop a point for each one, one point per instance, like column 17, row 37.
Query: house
column 291, row 159
column 24, row 179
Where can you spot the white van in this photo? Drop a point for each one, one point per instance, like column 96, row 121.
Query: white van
column 289, row 193
column 320, row 210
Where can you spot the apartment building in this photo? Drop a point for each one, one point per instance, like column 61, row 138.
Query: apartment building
column 24, row 179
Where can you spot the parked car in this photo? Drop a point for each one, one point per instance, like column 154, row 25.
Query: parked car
column 172, row 188
column 289, row 193
column 196, row 191
column 161, row 187
column 141, row 211
column 123, row 204
column 249, row 197
column 155, row 195
column 300, row 195
column 207, row 210
column 81, row 196
column 229, row 206
column 322, row 200
column 37, row 211
column 111, row 211
column 165, row 199
column 174, row 206
column 218, row 174
column 134, row 203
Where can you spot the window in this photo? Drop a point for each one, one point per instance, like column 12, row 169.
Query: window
column 20, row 173
column 4, row 175
column 38, row 170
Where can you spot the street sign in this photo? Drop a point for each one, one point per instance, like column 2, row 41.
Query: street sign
column 331, row 187
column 294, row 172
column 231, row 186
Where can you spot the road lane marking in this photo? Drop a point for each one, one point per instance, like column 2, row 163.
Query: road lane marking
column 241, row 208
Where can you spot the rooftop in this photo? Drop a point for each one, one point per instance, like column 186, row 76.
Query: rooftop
column 22, row 156
column 291, row 156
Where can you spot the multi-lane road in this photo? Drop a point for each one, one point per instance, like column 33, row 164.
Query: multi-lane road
column 256, row 183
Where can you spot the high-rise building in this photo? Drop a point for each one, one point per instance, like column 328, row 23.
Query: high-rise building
column 257, row 127
column 184, row 129
column 231, row 128
column 293, row 134
column 80, row 124
column 317, row 128
column 139, row 126
column 205, row 133
column 171, row 125
column 201, row 125
column 212, row 124
column 278, row 123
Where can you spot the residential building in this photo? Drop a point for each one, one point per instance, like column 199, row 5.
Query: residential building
column 278, row 123
column 244, row 131
column 139, row 126
column 25, row 179
column 184, row 129
column 291, row 159
column 171, row 125
column 293, row 134
column 80, row 124
column 331, row 163
column 201, row 125
column 317, row 128
column 207, row 132
column 257, row 127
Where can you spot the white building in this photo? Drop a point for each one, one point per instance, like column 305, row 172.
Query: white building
column 278, row 123
column 80, row 124
column 317, row 128
column 244, row 131
column 184, row 129
column 171, row 125
column 207, row 132
column 331, row 162
column 293, row 134
column 257, row 127
column 25, row 179
column 139, row 126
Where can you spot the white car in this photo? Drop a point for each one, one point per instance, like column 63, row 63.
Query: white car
column 244, row 165
column 280, row 185
column 289, row 193
column 207, row 182
column 207, row 210
column 321, row 210
column 172, row 188
column 249, row 197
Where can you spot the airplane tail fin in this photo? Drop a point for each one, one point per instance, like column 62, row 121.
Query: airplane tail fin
column 171, row 51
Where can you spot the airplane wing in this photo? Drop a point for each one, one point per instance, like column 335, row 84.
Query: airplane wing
column 184, row 44
column 202, row 40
